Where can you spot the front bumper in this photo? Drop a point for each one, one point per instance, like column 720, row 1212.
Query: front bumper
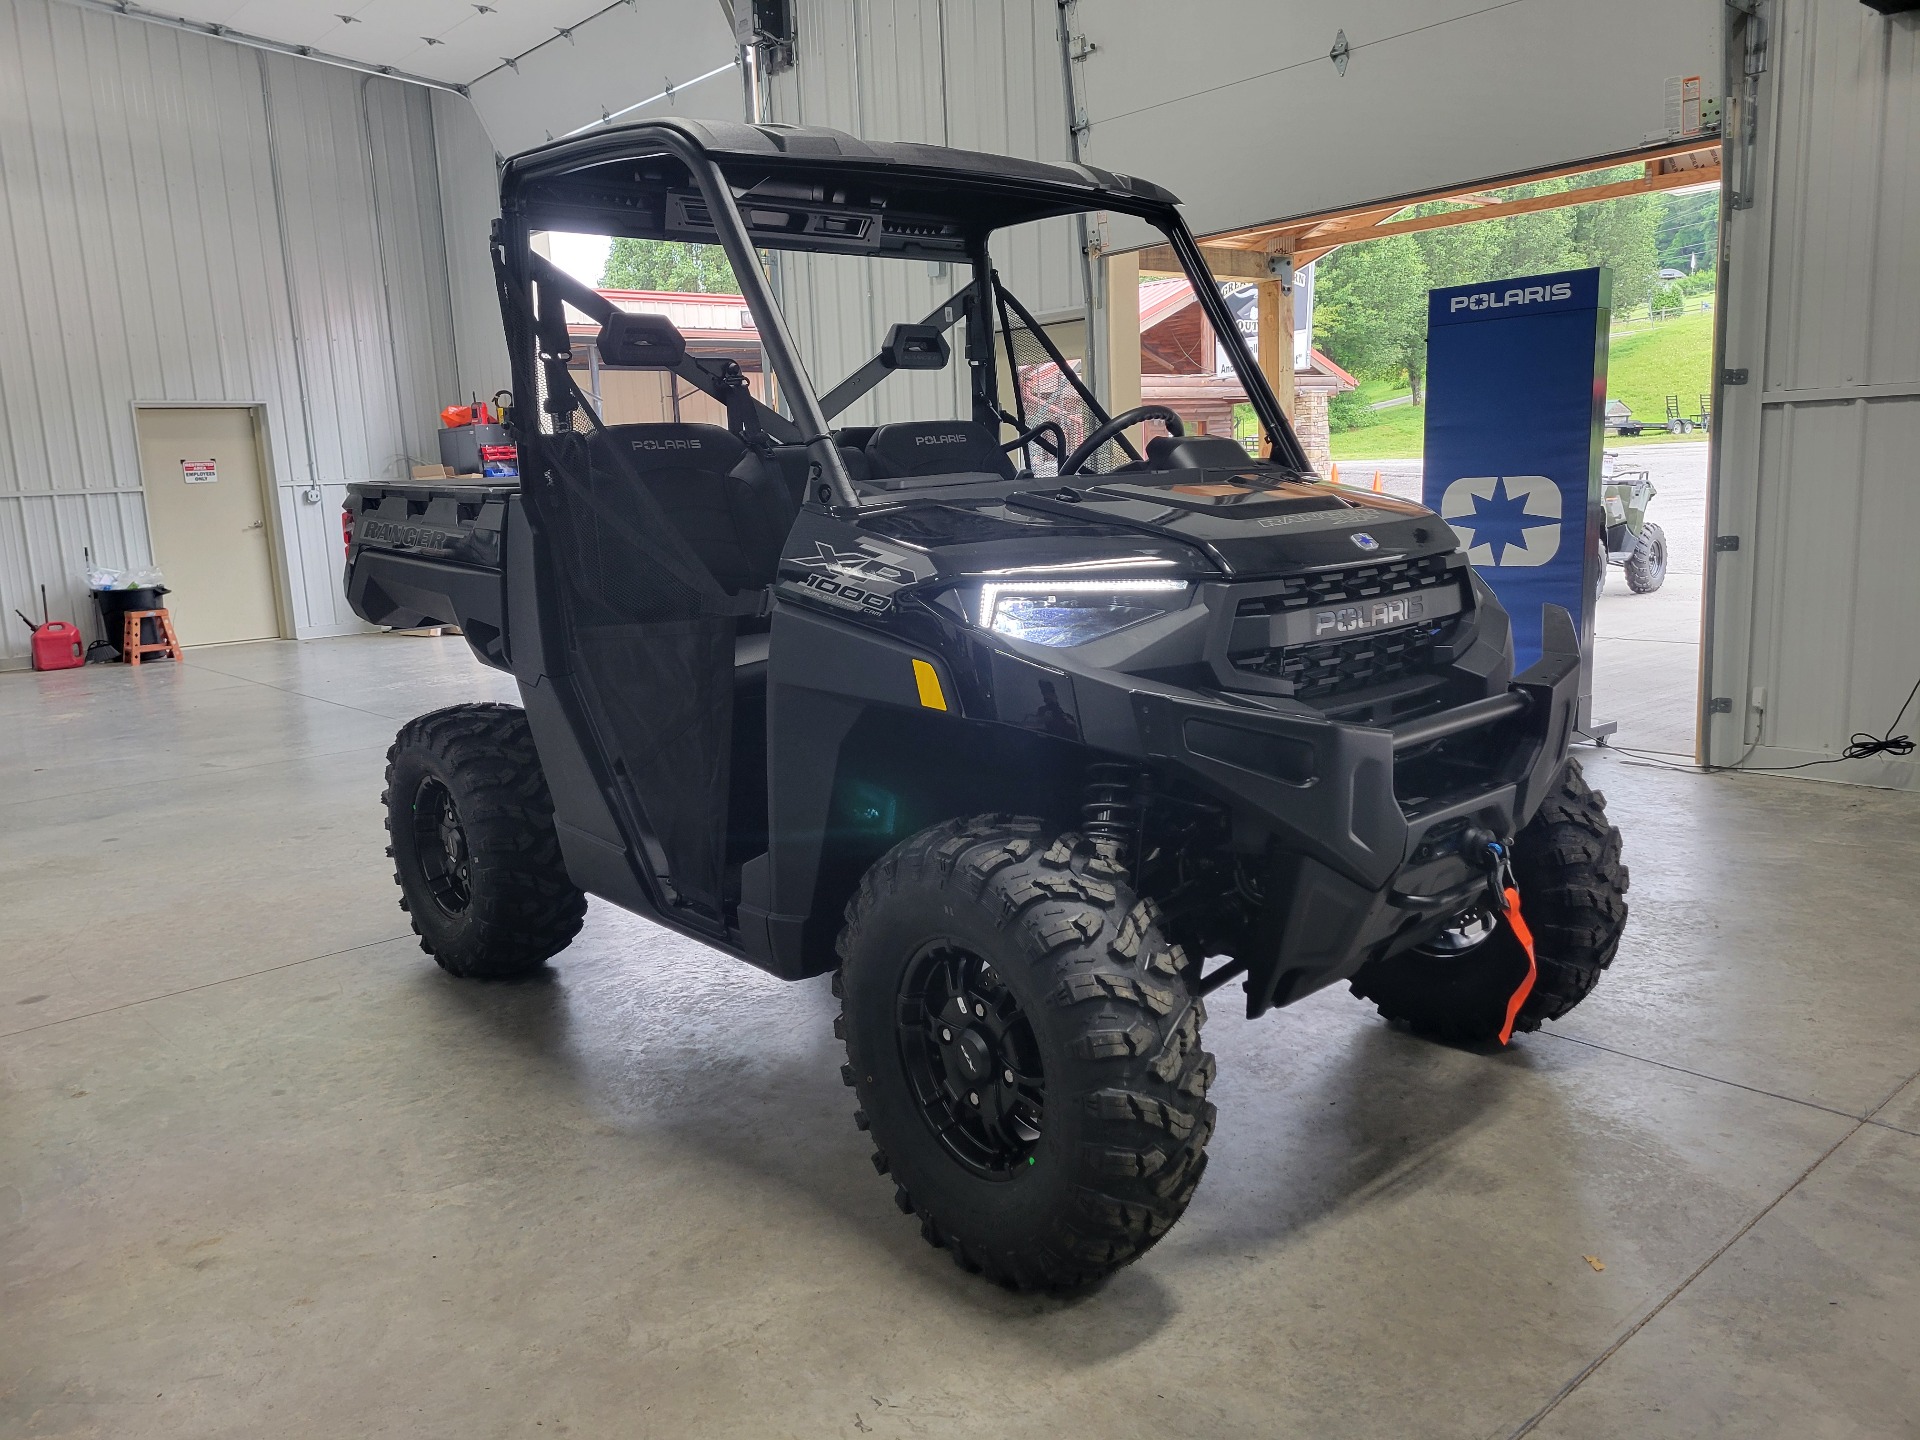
column 1364, row 823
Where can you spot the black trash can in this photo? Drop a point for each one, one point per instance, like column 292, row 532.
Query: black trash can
column 113, row 606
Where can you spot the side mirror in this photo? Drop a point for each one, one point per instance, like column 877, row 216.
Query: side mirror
column 914, row 347
column 648, row 342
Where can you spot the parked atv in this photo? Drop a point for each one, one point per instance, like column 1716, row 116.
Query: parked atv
column 938, row 683
column 1633, row 542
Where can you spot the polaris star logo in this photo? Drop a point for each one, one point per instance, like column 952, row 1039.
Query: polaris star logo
column 1518, row 295
column 1504, row 520
column 1364, row 541
column 940, row 439
column 666, row 444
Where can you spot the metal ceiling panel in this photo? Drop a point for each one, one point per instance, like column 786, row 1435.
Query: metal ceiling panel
column 453, row 41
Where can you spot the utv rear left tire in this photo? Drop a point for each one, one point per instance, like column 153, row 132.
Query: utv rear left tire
column 475, row 853
column 1061, row 1129
column 1573, row 887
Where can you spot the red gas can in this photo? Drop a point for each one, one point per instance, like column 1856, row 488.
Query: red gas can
column 58, row 646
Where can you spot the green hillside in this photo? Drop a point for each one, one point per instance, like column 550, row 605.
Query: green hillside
column 1647, row 361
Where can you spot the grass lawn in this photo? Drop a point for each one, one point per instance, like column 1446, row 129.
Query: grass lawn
column 1372, row 392
column 1646, row 362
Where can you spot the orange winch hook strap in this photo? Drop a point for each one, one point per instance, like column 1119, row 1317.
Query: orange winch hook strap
column 1525, row 936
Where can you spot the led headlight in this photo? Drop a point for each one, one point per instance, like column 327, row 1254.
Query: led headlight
column 1072, row 612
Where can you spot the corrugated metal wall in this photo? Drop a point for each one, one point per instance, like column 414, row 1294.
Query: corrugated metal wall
column 469, row 203
column 141, row 231
column 976, row 74
column 1817, row 451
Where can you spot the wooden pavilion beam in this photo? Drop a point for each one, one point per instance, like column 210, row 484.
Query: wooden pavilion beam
column 1698, row 160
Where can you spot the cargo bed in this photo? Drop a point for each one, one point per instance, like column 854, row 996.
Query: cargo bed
column 431, row 552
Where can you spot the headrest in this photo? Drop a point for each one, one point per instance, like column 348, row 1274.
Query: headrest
column 674, row 447
column 936, row 447
column 649, row 342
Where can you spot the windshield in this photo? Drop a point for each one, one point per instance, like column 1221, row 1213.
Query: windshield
column 898, row 323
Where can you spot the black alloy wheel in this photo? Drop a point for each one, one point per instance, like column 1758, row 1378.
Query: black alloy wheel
column 971, row 1061
column 1025, row 1049
column 441, row 843
column 474, row 848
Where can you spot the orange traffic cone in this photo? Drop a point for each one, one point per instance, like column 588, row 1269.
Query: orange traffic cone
column 1376, row 482
column 1336, row 474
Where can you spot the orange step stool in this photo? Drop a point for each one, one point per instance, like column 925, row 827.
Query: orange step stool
column 132, row 651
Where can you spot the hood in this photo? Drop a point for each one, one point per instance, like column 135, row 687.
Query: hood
column 1249, row 524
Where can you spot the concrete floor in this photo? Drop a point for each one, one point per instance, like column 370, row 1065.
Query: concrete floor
column 265, row 1171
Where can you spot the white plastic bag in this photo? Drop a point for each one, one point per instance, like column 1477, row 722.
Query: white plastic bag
column 103, row 577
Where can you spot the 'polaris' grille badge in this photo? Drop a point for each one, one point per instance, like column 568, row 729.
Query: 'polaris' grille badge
column 1364, row 540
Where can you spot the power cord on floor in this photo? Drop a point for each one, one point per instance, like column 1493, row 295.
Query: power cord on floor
column 1862, row 746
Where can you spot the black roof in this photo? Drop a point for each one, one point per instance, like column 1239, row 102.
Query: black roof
column 986, row 190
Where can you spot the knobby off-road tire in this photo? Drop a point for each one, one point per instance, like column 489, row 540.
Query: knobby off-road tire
column 1081, row 998
column 1573, row 886
column 475, row 854
column 1647, row 567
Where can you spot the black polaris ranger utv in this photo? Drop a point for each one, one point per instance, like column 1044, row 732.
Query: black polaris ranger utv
column 1032, row 732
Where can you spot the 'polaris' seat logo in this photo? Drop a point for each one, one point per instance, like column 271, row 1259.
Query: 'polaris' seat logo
column 1519, row 295
column 666, row 444
column 940, row 439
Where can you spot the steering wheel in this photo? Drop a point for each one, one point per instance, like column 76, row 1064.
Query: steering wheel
column 1127, row 418
column 1047, row 435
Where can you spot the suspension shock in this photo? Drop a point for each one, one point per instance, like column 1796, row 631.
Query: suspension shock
column 1110, row 813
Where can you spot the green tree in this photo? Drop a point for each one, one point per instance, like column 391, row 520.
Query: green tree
column 1370, row 308
column 678, row 265
column 1370, row 299
column 1688, row 233
column 1623, row 235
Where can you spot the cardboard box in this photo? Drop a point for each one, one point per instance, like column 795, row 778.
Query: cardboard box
column 432, row 472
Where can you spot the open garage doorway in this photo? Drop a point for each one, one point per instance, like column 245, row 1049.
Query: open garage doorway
column 1356, row 284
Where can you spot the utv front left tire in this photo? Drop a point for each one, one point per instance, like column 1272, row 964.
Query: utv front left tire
column 475, row 853
column 1025, row 1050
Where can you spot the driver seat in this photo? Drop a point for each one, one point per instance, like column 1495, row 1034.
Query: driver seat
column 936, row 447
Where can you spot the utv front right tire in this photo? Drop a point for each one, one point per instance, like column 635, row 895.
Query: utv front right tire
column 1573, row 895
column 1059, row 1129
column 1647, row 566
column 475, row 853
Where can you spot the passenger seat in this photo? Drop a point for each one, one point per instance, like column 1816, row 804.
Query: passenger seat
column 731, row 508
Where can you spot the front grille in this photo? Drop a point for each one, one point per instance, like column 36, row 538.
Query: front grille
column 1343, row 587
column 1341, row 667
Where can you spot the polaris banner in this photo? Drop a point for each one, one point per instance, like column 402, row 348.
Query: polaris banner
column 1516, row 395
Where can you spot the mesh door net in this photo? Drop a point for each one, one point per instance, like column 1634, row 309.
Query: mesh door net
column 658, row 669
column 648, row 640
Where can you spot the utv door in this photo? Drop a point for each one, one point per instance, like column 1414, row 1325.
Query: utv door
column 635, row 520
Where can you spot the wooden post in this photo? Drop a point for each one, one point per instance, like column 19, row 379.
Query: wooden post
column 1276, row 337
column 1123, row 332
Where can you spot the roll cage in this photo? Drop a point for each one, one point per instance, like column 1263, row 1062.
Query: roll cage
column 747, row 188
